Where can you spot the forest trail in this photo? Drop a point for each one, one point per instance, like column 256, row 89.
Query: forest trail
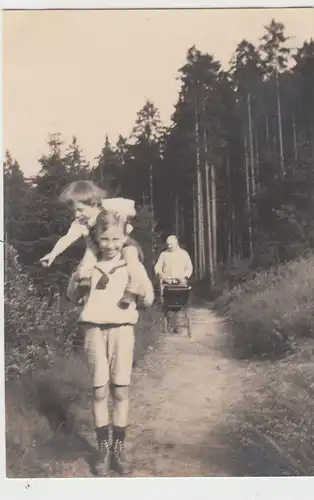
column 195, row 411
column 187, row 391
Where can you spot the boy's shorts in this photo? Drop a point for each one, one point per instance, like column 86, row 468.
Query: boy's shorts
column 109, row 352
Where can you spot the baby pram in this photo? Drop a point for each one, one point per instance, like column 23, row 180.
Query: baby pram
column 175, row 298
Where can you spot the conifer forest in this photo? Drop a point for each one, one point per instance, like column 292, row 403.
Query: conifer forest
column 232, row 175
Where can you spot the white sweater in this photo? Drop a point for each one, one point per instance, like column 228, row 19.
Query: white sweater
column 176, row 264
column 102, row 304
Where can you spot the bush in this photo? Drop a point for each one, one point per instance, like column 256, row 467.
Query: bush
column 227, row 277
column 33, row 327
column 271, row 311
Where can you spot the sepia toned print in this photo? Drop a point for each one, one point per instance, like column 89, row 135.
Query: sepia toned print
column 158, row 198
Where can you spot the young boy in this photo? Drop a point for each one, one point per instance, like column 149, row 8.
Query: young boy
column 109, row 339
column 87, row 200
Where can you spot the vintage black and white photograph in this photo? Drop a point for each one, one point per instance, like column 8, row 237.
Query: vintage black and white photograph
column 158, row 175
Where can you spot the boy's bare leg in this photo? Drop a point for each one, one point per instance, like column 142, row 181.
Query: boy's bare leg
column 100, row 406
column 121, row 348
column 120, row 396
column 101, row 419
column 96, row 350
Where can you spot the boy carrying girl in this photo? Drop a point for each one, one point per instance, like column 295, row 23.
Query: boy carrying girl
column 111, row 283
column 86, row 201
column 109, row 338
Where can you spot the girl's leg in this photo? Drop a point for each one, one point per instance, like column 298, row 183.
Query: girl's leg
column 84, row 271
column 88, row 261
column 134, row 266
column 139, row 284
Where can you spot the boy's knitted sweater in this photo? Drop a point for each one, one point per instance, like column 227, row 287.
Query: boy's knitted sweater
column 108, row 283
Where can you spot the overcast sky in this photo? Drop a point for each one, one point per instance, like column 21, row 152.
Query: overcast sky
column 87, row 73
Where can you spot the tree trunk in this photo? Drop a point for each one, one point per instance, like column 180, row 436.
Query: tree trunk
column 251, row 144
column 312, row 138
column 282, row 160
column 295, row 146
column 209, row 226
column 176, row 211
column 195, row 233
column 151, row 190
column 229, row 211
column 182, row 232
column 214, row 213
column 207, row 207
column 235, row 243
column 257, row 165
column 200, row 225
column 275, row 145
column 267, row 130
column 248, row 195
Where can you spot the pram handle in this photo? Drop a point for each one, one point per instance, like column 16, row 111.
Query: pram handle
column 174, row 281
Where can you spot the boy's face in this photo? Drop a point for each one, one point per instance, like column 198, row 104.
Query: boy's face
column 84, row 212
column 111, row 241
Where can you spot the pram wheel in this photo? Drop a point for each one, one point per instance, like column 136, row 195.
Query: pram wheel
column 175, row 299
column 166, row 324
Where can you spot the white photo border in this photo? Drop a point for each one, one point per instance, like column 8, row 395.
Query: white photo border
column 267, row 488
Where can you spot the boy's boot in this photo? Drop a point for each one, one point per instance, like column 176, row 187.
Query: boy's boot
column 102, row 465
column 119, row 463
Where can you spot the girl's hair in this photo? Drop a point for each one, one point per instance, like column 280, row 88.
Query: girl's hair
column 83, row 191
column 106, row 219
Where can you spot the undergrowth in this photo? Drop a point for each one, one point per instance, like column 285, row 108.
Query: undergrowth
column 271, row 311
column 34, row 330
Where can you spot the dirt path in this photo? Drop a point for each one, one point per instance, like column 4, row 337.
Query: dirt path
column 196, row 411
column 181, row 392
column 180, row 395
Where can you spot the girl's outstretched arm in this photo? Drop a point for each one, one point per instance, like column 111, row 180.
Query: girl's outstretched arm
column 74, row 233
column 72, row 288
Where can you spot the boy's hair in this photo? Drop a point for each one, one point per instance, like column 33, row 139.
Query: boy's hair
column 83, row 191
column 107, row 219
